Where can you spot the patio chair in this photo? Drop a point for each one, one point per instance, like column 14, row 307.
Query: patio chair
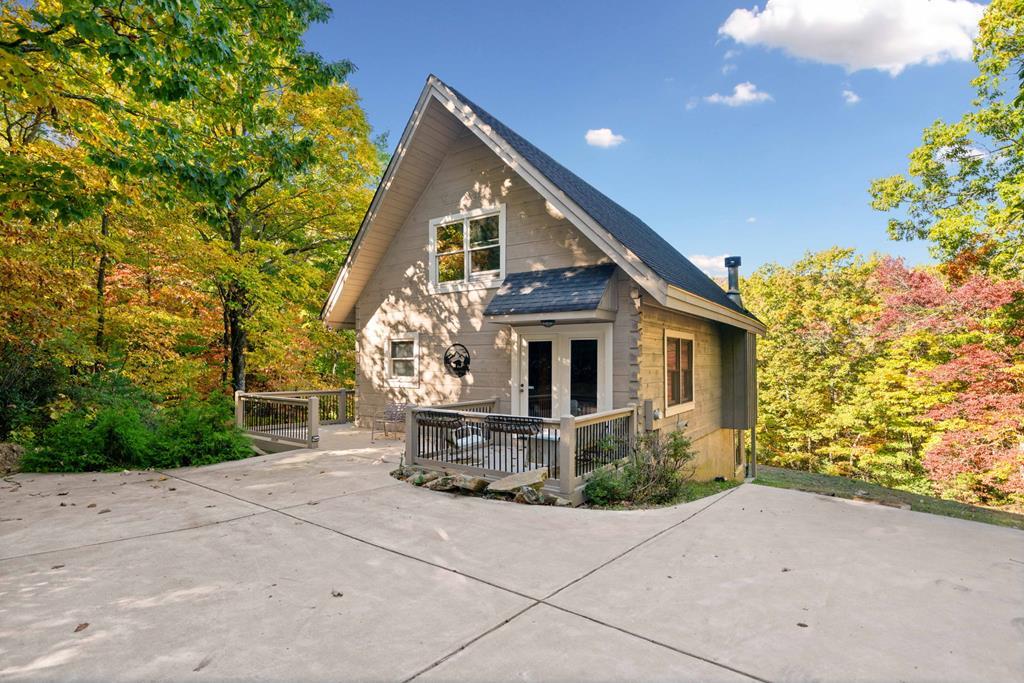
column 393, row 413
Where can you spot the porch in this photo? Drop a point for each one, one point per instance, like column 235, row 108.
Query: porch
column 470, row 438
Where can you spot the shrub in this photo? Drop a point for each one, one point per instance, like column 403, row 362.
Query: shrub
column 137, row 434
column 654, row 474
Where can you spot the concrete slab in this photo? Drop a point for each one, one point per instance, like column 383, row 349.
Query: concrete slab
column 33, row 483
column 85, row 509
column 244, row 600
column 531, row 549
column 298, row 477
column 547, row 644
column 798, row 587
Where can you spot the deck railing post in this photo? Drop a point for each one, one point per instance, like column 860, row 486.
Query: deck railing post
column 648, row 415
column 239, row 410
column 343, row 406
column 633, row 426
column 567, row 455
column 412, row 437
column 313, row 420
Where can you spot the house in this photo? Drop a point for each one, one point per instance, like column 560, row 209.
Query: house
column 486, row 271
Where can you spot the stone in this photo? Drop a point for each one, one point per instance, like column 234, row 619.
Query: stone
column 445, row 483
column 469, row 483
column 529, row 496
column 530, row 478
column 10, row 457
column 562, row 502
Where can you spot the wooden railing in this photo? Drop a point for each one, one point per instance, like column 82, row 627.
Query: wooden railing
column 293, row 417
column 475, row 440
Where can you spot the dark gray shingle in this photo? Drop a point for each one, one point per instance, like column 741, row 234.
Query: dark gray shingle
column 550, row 291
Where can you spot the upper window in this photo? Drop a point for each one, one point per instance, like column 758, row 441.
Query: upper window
column 468, row 248
column 403, row 358
column 678, row 371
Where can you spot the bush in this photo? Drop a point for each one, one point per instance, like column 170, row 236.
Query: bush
column 137, row 434
column 655, row 473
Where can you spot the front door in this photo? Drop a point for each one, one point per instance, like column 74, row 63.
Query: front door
column 564, row 372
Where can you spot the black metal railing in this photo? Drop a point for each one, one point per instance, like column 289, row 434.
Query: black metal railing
column 601, row 443
column 350, row 406
column 276, row 416
column 480, row 439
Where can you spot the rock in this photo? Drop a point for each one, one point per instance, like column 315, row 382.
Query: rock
column 423, row 478
column 562, row 502
column 530, row 478
column 445, row 483
column 529, row 496
column 10, row 457
column 470, row 483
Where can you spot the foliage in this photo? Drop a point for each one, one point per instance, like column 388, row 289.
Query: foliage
column 964, row 188
column 844, row 487
column 120, row 430
column 655, row 473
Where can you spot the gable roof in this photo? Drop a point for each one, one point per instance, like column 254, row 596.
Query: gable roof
column 578, row 288
column 653, row 249
column 661, row 271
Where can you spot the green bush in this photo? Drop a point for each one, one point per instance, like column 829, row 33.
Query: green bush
column 655, row 473
column 138, row 434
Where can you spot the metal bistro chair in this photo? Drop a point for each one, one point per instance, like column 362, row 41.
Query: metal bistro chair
column 393, row 413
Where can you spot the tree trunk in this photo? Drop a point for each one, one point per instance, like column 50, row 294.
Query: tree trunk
column 101, row 284
column 226, row 339
column 238, row 338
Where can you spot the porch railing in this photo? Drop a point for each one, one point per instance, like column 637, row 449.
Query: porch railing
column 471, row 438
column 292, row 417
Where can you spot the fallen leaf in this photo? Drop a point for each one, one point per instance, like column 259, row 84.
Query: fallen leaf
column 91, row 505
column 801, row 624
column 63, row 493
column 103, row 511
column 336, row 594
column 57, row 566
column 206, row 660
column 81, row 627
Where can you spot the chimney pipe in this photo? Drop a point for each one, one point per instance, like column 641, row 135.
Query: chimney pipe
column 732, row 264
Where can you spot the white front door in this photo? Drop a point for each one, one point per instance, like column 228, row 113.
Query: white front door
column 563, row 370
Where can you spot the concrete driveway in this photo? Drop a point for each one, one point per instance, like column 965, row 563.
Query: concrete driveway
column 316, row 565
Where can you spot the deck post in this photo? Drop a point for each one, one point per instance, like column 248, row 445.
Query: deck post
column 313, row 420
column 633, row 427
column 342, row 406
column 567, row 455
column 412, row 436
column 239, row 410
column 648, row 415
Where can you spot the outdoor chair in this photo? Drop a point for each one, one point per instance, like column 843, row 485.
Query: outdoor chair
column 393, row 413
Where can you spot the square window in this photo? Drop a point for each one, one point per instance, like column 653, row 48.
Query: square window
column 402, row 359
column 468, row 248
column 678, row 369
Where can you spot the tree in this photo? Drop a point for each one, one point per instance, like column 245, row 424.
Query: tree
column 964, row 188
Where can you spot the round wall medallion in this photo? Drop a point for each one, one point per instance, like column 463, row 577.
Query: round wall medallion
column 456, row 360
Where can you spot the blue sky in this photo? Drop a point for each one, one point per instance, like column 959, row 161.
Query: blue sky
column 768, row 179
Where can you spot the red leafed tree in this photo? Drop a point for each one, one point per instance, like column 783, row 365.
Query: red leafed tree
column 974, row 335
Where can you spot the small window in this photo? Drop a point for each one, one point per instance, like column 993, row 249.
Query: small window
column 467, row 248
column 678, row 371
column 402, row 359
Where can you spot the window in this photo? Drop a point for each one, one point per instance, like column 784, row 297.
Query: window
column 678, row 372
column 403, row 359
column 468, row 248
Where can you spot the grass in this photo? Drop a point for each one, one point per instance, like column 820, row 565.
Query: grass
column 843, row 487
column 693, row 490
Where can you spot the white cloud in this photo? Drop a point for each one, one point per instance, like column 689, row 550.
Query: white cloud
column 743, row 93
column 603, row 137
column 712, row 265
column 850, row 97
column 887, row 35
column 728, row 68
column 691, row 103
column 730, row 54
column 752, row 219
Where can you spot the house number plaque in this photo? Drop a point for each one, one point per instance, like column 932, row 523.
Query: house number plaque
column 456, row 360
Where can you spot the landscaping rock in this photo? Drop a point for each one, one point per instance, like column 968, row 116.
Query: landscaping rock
column 445, row 483
column 562, row 502
column 468, row 483
column 529, row 496
column 10, row 456
column 530, row 478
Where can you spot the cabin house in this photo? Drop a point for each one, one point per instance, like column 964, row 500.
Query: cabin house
column 510, row 301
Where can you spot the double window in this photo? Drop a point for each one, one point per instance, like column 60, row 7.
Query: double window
column 468, row 248
column 678, row 371
column 403, row 359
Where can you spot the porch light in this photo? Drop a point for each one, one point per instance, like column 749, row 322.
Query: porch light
column 547, row 323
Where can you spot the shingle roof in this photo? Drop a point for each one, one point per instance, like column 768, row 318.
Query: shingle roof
column 637, row 236
column 552, row 290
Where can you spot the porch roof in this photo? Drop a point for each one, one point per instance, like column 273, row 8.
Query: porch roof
column 556, row 290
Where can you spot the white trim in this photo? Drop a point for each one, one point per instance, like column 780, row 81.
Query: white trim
column 594, row 315
column 687, row 302
column 401, row 380
column 689, row 405
column 561, row 337
column 490, row 279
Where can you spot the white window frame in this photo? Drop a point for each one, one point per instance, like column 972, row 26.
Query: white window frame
column 389, row 366
column 689, row 405
column 485, row 280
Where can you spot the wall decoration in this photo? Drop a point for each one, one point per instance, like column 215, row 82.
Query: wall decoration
column 456, row 360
